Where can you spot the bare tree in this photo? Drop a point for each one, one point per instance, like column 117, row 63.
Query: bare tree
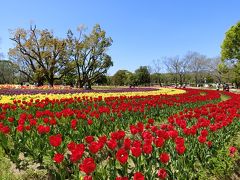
column 178, row 67
column 156, row 68
column 150, row 69
column 213, row 68
column 157, row 65
column 197, row 65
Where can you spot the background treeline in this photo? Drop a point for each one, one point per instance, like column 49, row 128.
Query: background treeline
column 194, row 69
column 39, row 57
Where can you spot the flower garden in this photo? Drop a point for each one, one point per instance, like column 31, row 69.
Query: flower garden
column 121, row 134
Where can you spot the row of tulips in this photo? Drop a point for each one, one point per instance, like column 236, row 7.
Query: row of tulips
column 88, row 136
column 8, row 95
column 91, row 116
column 163, row 151
column 12, row 91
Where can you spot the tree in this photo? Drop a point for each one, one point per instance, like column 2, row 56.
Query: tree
column 41, row 56
column 215, row 68
column 8, row 72
column 230, row 51
column 120, row 78
column 197, row 65
column 227, row 70
column 177, row 67
column 89, row 53
column 102, row 80
column 156, row 68
column 142, row 75
column 156, row 78
column 132, row 79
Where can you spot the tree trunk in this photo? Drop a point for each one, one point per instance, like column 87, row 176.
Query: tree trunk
column 181, row 79
column 51, row 82
column 237, row 85
column 176, row 80
column 89, row 86
column 40, row 82
column 196, row 81
column 219, row 79
column 81, row 84
column 160, row 83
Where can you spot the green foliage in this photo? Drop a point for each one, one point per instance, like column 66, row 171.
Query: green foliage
column 121, row 77
column 40, row 55
column 8, row 72
column 156, row 78
column 230, row 46
column 221, row 165
column 5, row 165
column 230, row 51
column 89, row 55
column 209, row 79
column 43, row 57
column 102, row 80
column 222, row 68
column 224, row 97
column 132, row 79
column 8, row 170
column 142, row 75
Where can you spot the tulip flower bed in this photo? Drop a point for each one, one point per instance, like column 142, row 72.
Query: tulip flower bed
column 124, row 137
column 8, row 95
column 7, row 91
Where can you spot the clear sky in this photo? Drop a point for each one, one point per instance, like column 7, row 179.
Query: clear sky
column 142, row 30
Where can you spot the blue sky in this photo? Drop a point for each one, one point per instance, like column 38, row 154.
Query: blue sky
column 142, row 30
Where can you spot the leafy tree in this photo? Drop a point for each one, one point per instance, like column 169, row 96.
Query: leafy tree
column 142, row 75
column 227, row 70
column 89, row 53
column 209, row 78
column 40, row 55
column 156, row 78
column 69, row 78
column 8, row 72
column 109, row 80
column 132, row 79
column 102, row 80
column 167, row 79
column 230, row 51
column 120, row 78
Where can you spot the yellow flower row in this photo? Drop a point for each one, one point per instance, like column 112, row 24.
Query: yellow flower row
column 27, row 97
